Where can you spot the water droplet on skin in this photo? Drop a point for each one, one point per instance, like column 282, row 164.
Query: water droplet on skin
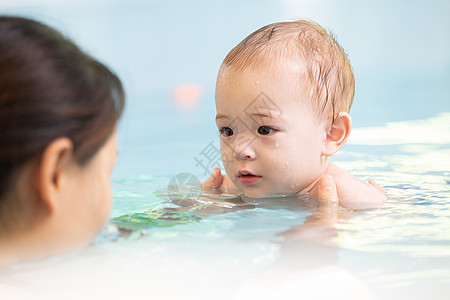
column 286, row 164
column 257, row 82
column 277, row 145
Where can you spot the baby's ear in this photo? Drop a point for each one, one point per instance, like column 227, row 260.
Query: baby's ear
column 337, row 134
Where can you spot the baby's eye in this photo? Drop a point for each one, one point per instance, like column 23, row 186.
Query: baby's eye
column 265, row 130
column 226, row 131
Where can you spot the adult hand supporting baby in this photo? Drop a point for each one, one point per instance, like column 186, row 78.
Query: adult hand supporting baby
column 375, row 185
column 217, row 183
column 319, row 226
column 214, row 181
column 327, row 193
column 327, row 187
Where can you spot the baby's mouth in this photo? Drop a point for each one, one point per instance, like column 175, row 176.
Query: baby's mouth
column 246, row 177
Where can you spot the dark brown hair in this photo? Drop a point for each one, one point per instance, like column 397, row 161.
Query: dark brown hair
column 328, row 74
column 49, row 89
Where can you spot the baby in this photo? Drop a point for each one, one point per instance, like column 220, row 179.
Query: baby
column 283, row 97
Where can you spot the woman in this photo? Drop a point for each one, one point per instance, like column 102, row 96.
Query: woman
column 58, row 113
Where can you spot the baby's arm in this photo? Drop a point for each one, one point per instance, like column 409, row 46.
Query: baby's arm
column 353, row 192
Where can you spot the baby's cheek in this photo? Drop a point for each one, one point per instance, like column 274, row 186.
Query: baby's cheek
column 294, row 174
column 228, row 162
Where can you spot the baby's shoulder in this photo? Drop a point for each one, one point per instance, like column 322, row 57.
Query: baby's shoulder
column 353, row 192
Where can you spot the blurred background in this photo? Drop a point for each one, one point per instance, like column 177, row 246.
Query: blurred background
column 168, row 53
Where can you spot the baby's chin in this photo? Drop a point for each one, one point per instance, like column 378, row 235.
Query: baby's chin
column 260, row 193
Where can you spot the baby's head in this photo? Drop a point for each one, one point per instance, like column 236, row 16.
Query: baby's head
column 282, row 97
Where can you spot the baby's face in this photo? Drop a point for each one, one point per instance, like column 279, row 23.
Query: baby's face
column 271, row 141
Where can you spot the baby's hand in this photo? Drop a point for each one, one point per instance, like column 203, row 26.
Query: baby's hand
column 218, row 183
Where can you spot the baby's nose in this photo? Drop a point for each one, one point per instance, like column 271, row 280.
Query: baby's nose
column 244, row 151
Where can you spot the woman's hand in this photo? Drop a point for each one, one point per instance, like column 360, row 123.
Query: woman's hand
column 217, row 183
column 327, row 192
column 214, row 181
column 375, row 185
column 319, row 227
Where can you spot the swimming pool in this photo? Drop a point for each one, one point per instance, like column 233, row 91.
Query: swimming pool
column 226, row 249
column 237, row 250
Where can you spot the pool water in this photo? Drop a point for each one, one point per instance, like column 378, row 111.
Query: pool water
column 195, row 246
column 182, row 245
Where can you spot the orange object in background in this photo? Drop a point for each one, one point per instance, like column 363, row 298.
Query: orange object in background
column 187, row 96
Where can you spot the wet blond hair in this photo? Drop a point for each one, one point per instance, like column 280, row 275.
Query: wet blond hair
column 328, row 76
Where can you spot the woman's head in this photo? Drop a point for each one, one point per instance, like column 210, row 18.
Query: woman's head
column 50, row 91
